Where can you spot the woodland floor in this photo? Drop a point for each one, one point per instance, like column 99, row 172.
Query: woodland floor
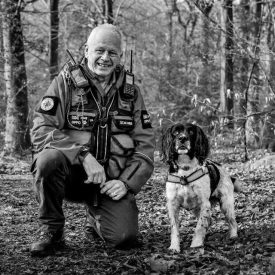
column 252, row 253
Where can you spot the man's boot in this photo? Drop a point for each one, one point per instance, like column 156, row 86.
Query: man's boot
column 48, row 243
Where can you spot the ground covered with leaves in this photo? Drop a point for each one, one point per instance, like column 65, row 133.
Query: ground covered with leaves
column 252, row 253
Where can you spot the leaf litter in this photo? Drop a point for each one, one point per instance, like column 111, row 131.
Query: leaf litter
column 252, row 253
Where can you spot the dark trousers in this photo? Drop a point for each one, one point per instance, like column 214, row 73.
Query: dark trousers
column 56, row 179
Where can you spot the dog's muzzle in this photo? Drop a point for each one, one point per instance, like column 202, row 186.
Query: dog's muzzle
column 182, row 145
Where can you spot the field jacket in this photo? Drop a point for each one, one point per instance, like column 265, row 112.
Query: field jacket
column 66, row 118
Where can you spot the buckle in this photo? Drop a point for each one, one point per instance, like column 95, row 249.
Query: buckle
column 103, row 122
column 183, row 180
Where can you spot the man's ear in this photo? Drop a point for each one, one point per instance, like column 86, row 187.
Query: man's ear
column 86, row 50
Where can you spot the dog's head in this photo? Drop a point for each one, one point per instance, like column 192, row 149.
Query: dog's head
column 186, row 139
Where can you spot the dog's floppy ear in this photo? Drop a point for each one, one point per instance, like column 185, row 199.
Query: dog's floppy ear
column 166, row 145
column 199, row 142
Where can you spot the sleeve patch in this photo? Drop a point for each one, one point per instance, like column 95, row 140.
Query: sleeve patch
column 145, row 120
column 49, row 105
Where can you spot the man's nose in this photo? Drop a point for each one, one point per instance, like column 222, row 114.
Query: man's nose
column 105, row 55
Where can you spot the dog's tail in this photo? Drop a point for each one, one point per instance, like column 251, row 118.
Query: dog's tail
column 237, row 185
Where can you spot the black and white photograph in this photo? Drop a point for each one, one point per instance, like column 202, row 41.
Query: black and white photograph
column 137, row 137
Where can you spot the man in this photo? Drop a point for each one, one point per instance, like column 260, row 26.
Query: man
column 93, row 143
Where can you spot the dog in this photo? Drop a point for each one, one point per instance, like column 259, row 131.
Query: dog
column 194, row 181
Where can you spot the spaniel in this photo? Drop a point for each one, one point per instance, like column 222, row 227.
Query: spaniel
column 194, row 181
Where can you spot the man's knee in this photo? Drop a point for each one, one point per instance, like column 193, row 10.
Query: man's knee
column 123, row 238
column 48, row 162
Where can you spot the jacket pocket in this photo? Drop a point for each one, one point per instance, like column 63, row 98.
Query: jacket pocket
column 121, row 147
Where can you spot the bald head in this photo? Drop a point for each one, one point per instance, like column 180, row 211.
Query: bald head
column 103, row 50
column 108, row 32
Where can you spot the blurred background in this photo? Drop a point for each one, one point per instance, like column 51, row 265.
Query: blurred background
column 206, row 62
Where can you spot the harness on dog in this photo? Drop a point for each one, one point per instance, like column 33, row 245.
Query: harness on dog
column 212, row 170
column 185, row 180
column 214, row 174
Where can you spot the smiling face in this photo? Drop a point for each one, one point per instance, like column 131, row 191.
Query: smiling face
column 103, row 50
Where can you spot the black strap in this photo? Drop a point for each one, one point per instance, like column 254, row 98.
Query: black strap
column 214, row 174
column 185, row 180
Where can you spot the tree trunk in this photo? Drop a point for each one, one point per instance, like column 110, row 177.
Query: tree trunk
column 108, row 11
column 254, row 92
column 241, row 104
column 17, row 128
column 205, row 80
column 54, row 27
column 226, row 91
column 242, row 98
column 164, row 87
column 269, row 122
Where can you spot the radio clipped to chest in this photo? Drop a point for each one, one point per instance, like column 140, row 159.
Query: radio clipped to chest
column 75, row 72
column 129, row 87
column 128, row 92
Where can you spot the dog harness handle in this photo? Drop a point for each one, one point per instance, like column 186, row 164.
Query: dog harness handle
column 185, row 180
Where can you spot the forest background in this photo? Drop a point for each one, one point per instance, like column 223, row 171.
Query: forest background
column 210, row 62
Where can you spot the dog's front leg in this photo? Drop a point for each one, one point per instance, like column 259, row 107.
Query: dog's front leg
column 173, row 213
column 202, row 225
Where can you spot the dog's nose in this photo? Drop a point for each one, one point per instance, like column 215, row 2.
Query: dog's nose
column 182, row 138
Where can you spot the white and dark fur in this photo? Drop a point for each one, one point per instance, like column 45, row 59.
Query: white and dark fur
column 185, row 148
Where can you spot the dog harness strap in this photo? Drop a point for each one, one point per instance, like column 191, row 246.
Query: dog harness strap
column 184, row 180
column 214, row 174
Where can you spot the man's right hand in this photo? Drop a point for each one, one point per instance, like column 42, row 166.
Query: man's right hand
column 94, row 170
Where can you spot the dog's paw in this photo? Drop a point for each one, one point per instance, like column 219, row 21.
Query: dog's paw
column 233, row 234
column 199, row 250
column 174, row 248
column 197, row 243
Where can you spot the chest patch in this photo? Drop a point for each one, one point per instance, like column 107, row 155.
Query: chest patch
column 124, row 123
column 82, row 120
column 49, row 105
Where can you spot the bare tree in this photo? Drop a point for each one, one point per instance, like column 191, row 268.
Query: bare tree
column 241, row 104
column 205, row 79
column 269, row 120
column 17, row 129
column 256, row 83
column 107, row 6
column 227, row 44
column 54, row 27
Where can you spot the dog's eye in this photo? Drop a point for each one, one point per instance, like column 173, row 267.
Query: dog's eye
column 175, row 133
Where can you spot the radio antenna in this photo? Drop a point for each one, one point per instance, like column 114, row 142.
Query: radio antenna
column 71, row 57
column 131, row 61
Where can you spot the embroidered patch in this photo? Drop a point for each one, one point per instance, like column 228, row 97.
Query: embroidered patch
column 145, row 120
column 125, row 123
column 82, row 120
column 49, row 105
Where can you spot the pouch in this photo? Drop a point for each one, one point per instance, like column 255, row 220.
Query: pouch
column 121, row 147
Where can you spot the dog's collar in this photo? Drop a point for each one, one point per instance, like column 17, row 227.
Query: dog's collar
column 185, row 180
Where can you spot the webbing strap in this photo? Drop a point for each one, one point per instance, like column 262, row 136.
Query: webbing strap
column 185, row 180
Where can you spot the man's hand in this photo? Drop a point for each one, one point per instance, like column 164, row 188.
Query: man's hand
column 115, row 189
column 94, row 170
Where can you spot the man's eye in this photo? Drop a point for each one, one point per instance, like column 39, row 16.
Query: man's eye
column 100, row 51
column 112, row 53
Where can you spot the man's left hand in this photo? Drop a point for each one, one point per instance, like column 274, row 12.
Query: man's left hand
column 115, row 189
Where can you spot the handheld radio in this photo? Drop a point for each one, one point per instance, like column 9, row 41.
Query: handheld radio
column 76, row 73
column 129, row 87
